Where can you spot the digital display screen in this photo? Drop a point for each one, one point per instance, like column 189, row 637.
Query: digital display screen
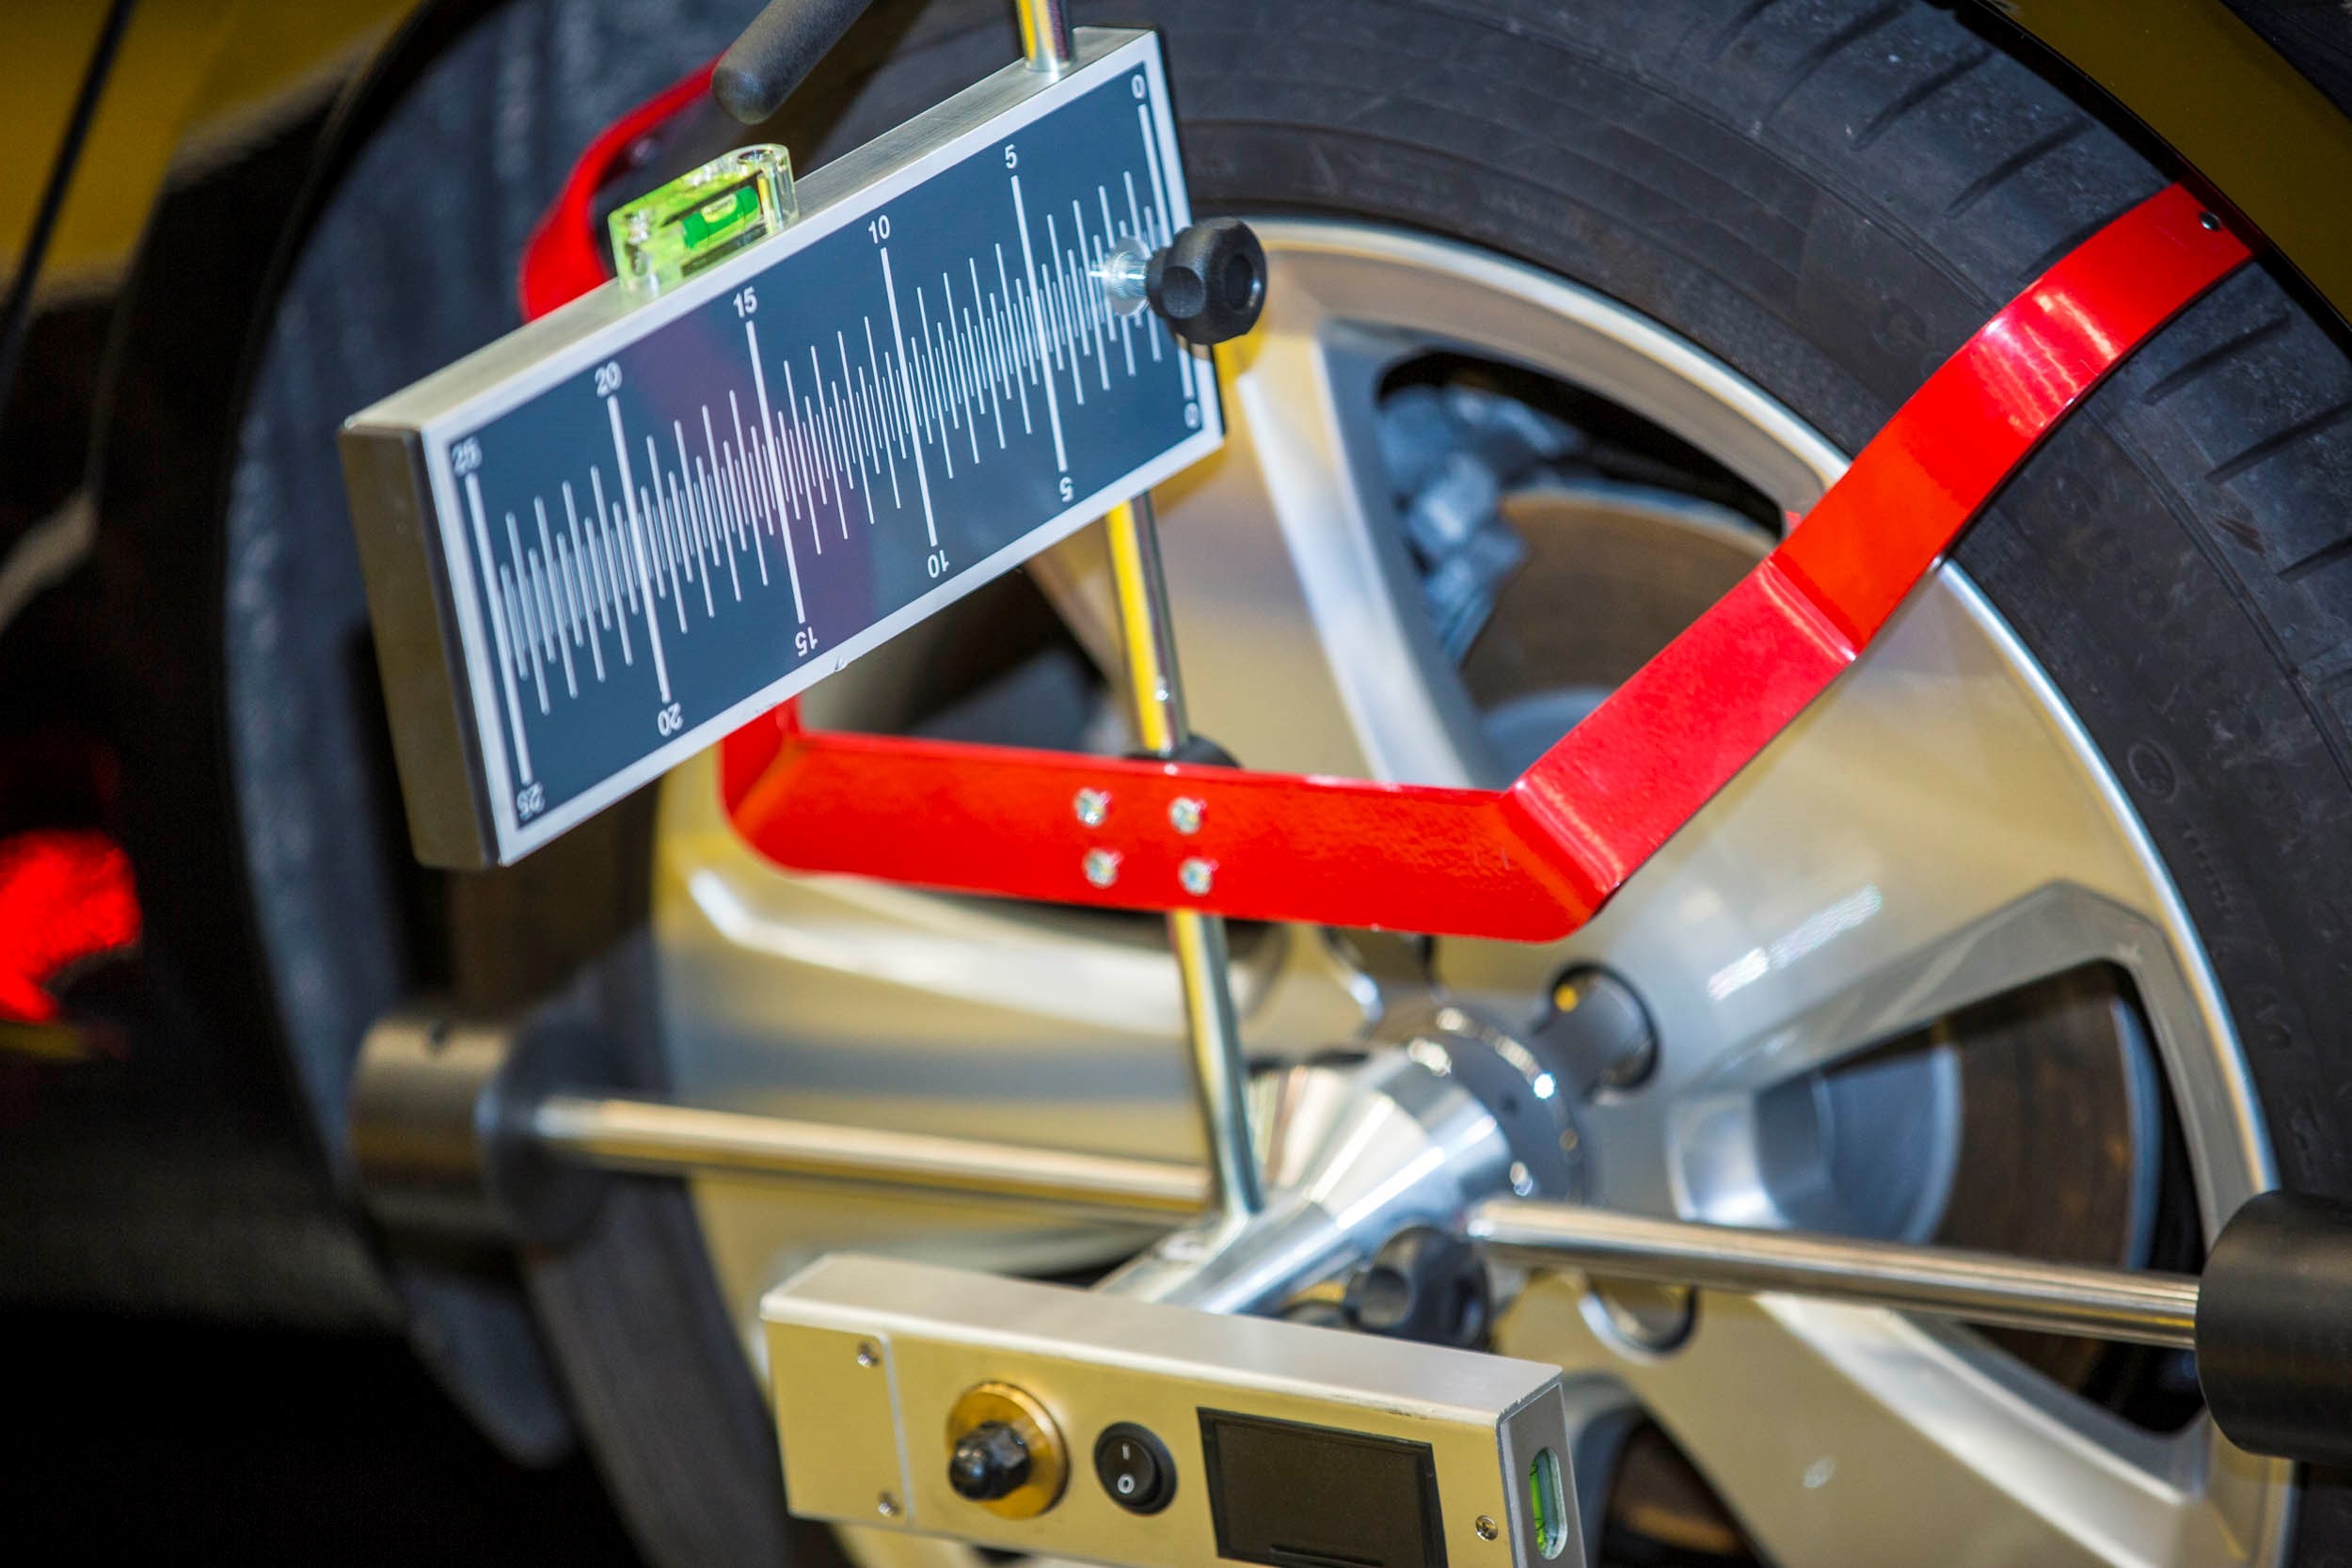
column 1293, row 1496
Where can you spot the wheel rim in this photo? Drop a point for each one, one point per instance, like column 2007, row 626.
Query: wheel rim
column 1935, row 831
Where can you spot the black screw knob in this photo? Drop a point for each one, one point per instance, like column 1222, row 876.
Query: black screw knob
column 1209, row 285
column 987, row 1463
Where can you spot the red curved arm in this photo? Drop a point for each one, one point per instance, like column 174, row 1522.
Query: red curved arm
column 1536, row 860
column 1531, row 861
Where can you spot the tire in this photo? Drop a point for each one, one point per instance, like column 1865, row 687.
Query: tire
column 1827, row 195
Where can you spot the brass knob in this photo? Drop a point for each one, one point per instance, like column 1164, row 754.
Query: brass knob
column 990, row 1419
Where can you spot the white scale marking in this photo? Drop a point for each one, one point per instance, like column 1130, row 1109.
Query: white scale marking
column 906, row 387
column 498, row 632
column 1053, row 412
column 585, row 554
column 759, row 387
column 550, row 597
column 616, row 562
column 733, row 542
column 637, row 540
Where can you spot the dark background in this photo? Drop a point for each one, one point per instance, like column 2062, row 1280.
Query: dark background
column 134, row 1440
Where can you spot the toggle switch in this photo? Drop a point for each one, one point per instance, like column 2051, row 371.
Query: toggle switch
column 1134, row 1467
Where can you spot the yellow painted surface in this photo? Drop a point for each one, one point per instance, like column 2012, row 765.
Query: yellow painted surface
column 192, row 76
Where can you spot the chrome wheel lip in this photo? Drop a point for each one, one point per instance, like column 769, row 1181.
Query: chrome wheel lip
column 1404, row 722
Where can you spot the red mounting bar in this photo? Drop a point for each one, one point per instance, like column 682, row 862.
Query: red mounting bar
column 1534, row 860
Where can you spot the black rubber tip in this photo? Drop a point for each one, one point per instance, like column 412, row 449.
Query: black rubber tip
column 2274, row 1328
column 761, row 69
column 1209, row 284
column 987, row 1463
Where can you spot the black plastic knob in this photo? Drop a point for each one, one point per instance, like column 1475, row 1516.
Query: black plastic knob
column 2274, row 1328
column 776, row 53
column 987, row 1463
column 1209, row 285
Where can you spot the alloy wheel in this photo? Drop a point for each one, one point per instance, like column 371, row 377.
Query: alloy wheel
column 1818, row 952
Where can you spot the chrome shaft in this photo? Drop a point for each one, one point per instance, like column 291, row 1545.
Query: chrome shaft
column 685, row 1140
column 1156, row 698
column 1046, row 33
column 1975, row 1286
column 1156, row 702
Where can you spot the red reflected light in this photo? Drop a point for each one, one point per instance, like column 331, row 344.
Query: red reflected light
column 65, row 897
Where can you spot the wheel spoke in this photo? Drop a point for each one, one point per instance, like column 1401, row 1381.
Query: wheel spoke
column 1842, row 1435
column 1925, row 837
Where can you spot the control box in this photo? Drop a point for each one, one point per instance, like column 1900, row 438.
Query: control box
column 1071, row 1423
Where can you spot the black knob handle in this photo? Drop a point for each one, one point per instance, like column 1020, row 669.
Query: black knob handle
column 987, row 1463
column 2274, row 1328
column 780, row 48
column 1209, row 285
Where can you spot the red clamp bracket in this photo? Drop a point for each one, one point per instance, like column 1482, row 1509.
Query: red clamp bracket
column 1536, row 860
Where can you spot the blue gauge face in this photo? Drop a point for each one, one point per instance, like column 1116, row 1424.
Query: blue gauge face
column 714, row 500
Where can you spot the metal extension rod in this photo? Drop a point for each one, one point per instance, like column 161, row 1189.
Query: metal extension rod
column 1975, row 1286
column 1046, row 33
column 1156, row 699
column 1220, row 1072
column 686, row 1140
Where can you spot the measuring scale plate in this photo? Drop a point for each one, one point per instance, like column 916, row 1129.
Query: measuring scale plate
column 600, row 544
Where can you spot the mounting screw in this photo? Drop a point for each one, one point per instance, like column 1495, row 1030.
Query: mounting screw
column 1101, row 866
column 2210, row 221
column 1183, row 813
column 887, row 1506
column 1198, row 876
column 868, row 1356
column 1488, row 1528
column 1091, row 805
